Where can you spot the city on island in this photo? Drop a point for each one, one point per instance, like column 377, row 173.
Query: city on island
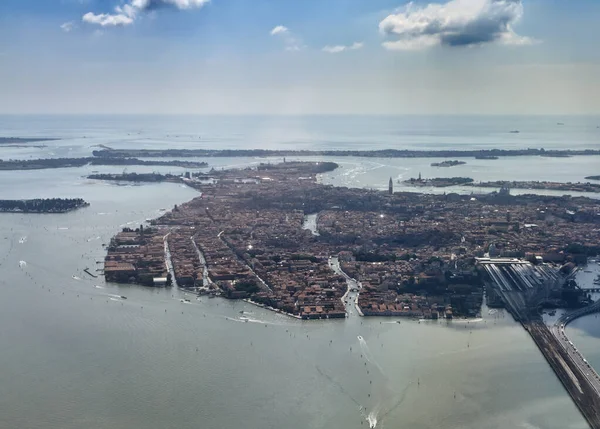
column 275, row 236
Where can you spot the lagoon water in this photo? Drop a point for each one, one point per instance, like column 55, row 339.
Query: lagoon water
column 74, row 354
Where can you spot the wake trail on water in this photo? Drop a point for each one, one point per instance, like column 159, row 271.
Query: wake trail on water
column 399, row 401
column 367, row 353
column 339, row 386
column 251, row 320
column 382, row 408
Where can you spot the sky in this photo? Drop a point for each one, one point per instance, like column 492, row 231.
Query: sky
column 508, row 57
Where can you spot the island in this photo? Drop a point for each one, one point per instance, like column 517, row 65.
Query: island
column 24, row 140
column 438, row 182
column 38, row 164
column 415, row 255
column 392, row 254
column 447, row 163
column 592, row 178
column 42, row 205
column 382, row 153
column 534, row 184
column 139, row 177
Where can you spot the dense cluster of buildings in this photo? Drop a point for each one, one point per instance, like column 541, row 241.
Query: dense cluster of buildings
column 187, row 266
column 414, row 254
column 136, row 256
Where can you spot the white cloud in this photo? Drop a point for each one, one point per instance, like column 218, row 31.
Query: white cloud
column 128, row 12
column 67, row 26
column 280, row 29
column 292, row 43
column 179, row 4
column 107, row 20
column 454, row 23
column 336, row 49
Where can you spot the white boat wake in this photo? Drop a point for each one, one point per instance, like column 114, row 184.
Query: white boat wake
column 367, row 353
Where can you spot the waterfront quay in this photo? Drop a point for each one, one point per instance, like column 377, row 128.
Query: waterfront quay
column 245, row 237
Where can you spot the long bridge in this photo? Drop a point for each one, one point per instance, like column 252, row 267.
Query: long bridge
column 523, row 287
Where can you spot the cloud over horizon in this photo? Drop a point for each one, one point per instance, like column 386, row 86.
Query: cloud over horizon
column 127, row 13
column 67, row 26
column 291, row 42
column 453, row 24
column 336, row 49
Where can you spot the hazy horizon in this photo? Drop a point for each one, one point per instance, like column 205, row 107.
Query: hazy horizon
column 382, row 57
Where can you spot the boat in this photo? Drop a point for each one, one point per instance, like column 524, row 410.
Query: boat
column 514, row 131
column 123, row 297
column 245, row 319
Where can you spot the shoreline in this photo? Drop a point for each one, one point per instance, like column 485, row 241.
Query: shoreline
column 380, row 153
column 276, row 310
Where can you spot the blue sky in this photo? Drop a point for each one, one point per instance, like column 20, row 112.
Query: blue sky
column 300, row 56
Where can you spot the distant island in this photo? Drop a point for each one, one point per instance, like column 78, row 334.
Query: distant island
column 38, row 164
column 23, row 140
column 439, row 182
column 196, row 178
column 137, row 177
column 593, row 177
column 443, row 182
column 383, row 153
column 532, row 184
column 447, row 163
column 42, row 205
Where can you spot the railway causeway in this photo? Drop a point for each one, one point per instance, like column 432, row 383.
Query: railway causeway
column 522, row 287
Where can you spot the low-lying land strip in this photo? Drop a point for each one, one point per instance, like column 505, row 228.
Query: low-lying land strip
column 439, row 182
column 534, row 184
column 383, row 153
column 38, row 164
column 46, row 205
column 138, row 177
column 443, row 182
column 23, row 140
column 447, row 163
